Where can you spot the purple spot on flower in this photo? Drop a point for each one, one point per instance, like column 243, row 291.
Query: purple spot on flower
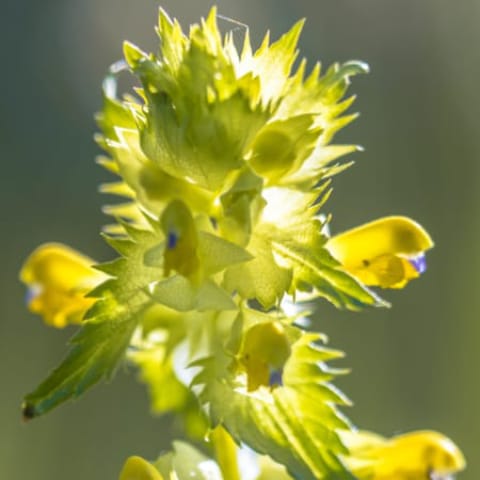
column 275, row 379
column 172, row 240
column 419, row 262
column 32, row 292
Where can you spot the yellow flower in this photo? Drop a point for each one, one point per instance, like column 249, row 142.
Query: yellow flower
column 388, row 252
column 58, row 278
column 181, row 252
column 136, row 468
column 421, row 455
column 263, row 354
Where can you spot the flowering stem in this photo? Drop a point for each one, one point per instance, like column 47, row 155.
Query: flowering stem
column 225, row 453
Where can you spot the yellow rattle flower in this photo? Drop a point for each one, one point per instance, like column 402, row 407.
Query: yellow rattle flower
column 264, row 353
column 420, row 455
column 388, row 252
column 58, row 278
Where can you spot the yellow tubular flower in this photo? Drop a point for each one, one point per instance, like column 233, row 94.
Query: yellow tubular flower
column 136, row 468
column 58, row 278
column 388, row 252
column 182, row 241
column 421, row 455
column 264, row 353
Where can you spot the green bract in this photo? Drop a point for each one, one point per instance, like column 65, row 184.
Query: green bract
column 224, row 161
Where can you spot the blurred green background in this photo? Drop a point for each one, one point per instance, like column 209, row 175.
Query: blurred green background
column 414, row 366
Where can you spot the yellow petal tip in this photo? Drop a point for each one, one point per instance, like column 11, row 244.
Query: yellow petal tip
column 136, row 468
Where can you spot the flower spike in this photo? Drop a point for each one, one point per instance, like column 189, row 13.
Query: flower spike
column 224, row 161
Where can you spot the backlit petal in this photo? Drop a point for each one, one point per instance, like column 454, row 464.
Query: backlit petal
column 415, row 455
column 58, row 278
column 136, row 468
column 388, row 252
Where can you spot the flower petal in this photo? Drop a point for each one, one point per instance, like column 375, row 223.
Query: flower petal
column 420, row 454
column 136, row 468
column 388, row 252
column 264, row 352
column 58, row 278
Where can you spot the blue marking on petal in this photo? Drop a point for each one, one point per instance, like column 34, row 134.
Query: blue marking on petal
column 419, row 262
column 172, row 240
column 276, row 378
column 32, row 292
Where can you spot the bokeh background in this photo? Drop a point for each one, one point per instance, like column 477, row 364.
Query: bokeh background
column 414, row 366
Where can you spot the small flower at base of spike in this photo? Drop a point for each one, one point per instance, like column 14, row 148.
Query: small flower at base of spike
column 58, row 278
column 420, row 455
column 263, row 354
column 136, row 468
column 388, row 252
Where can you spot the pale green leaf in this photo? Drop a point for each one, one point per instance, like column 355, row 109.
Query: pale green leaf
column 261, row 278
column 179, row 293
column 302, row 246
column 96, row 351
column 217, row 253
column 105, row 335
column 272, row 63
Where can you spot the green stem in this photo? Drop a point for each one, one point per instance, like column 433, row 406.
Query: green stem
column 226, row 453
